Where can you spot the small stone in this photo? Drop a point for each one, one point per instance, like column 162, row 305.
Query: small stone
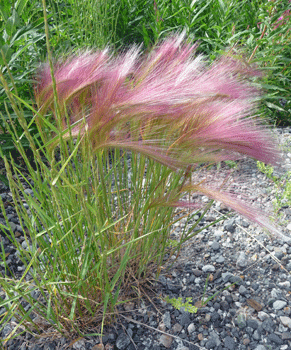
column 226, row 276
column 182, row 347
column 237, row 280
column 289, row 227
column 268, row 325
column 279, row 254
column 286, row 336
column 122, row 341
column 184, row 319
column 286, row 321
column 191, row 328
column 177, row 328
column 285, row 285
column 229, row 225
column 162, row 279
column 197, row 273
column 275, row 267
column 12, row 225
column 220, row 259
column 208, row 268
column 218, row 233
column 275, row 339
column 242, row 290
column 229, row 343
column 246, row 341
column 207, row 317
column 241, row 321
column 6, row 331
column 260, row 347
column 256, row 335
column 167, row 320
column 224, row 305
column 263, row 315
column 200, row 336
column 252, row 323
column 79, row 344
column 3, row 196
column 215, row 246
column 166, row 340
column 242, row 260
column 284, row 347
column 211, row 344
column 215, row 316
column 279, row 304
column 214, row 336
column 245, row 224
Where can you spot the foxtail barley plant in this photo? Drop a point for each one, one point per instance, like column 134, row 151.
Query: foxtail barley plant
column 167, row 106
column 121, row 137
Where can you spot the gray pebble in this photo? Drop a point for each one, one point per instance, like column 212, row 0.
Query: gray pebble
column 252, row 323
column 6, row 331
column 242, row 290
column 286, row 321
column 191, row 328
column 208, row 268
column 279, row 304
column 279, row 255
column 215, row 246
column 242, row 260
column 226, row 276
column 260, row 347
column 167, row 320
column 13, row 226
column 241, row 320
column 214, row 336
column 122, row 341
column 184, row 319
column 229, row 225
column 220, row 259
column 256, row 335
column 275, row 339
column 211, row 344
column 229, row 343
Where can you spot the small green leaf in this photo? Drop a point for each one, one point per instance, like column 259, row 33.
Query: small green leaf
column 4, row 179
column 21, row 5
column 11, row 23
column 6, row 51
column 273, row 106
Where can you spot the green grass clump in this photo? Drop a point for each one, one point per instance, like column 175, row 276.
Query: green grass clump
column 103, row 204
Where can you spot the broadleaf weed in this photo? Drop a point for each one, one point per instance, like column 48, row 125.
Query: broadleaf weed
column 178, row 303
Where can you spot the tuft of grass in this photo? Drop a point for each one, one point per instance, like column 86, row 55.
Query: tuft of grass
column 119, row 138
column 281, row 187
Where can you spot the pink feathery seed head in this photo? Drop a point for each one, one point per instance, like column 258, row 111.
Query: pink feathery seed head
column 72, row 76
column 168, row 105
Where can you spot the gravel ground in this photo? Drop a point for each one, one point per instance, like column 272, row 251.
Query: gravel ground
column 254, row 313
